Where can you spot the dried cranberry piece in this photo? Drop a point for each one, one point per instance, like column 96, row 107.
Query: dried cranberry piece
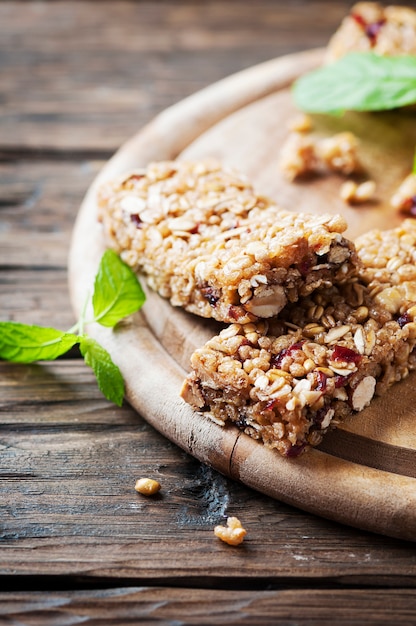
column 195, row 229
column 404, row 319
column 271, row 405
column 359, row 19
column 372, row 31
column 295, row 450
column 135, row 219
column 233, row 312
column 341, row 381
column 305, row 265
column 277, row 359
column 322, row 381
column 341, row 353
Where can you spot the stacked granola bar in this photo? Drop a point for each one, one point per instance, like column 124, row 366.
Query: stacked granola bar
column 287, row 380
column 206, row 241
column 316, row 330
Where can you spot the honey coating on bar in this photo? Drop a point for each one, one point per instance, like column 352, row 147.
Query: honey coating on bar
column 286, row 381
column 204, row 239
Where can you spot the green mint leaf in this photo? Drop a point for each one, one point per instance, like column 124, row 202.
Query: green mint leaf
column 359, row 81
column 108, row 375
column 117, row 291
column 24, row 344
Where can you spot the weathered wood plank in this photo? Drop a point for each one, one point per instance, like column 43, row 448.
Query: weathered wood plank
column 37, row 296
column 122, row 606
column 87, row 75
column 69, row 461
column 39, row 204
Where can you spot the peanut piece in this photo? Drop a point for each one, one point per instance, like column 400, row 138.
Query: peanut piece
column 147, row 486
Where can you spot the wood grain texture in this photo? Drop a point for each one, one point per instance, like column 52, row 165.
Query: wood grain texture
column 87, row 75
column 69, row 461
column 123, row 606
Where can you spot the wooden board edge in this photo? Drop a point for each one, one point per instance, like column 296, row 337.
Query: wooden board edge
column 229, row 451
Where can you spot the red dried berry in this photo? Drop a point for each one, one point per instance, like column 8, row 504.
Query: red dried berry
column 321, row 385
column 341, row 381
column 341, row 353
column 371, row 29
column 359, row 19
column 135, row 219
column 277, row 359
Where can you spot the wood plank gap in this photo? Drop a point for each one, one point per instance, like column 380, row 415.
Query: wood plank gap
column 46, row 153
column 5, row 267
column 67, row 583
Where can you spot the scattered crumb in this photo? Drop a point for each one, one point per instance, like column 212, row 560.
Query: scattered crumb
column 302, row 123
column 404, row 199
column 147, row 486
column 301, row 155
column 355, row 193
column 233, row 533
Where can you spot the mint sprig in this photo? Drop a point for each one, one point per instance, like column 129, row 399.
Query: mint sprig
column 108, row 375
column 117, row 293
column 22, row 343
column 359, row 81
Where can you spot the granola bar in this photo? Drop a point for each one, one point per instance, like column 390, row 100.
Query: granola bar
column 285, row 381
column 371, row 27
column 206, row 241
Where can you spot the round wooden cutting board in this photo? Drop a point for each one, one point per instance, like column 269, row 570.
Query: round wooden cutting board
column 363, row 474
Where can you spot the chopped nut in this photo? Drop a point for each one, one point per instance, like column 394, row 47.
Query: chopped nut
column 147, row 486
column 269, row 304
column 286, row 380
column 363, row 393
column 233, row 533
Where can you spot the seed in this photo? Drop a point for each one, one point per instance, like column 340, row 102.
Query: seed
column 147, row 486
column 328, row 321
column 361, row 314
column 312, row 329
column 337, row 333
column 370, row 342
column 359, row 340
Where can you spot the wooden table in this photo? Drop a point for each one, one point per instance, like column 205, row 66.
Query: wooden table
column 78, row 544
